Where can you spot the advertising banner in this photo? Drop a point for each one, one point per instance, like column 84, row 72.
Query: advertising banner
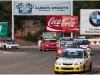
column 3, row 29
column 90, row 21
column 42, row 7
column 62, row 23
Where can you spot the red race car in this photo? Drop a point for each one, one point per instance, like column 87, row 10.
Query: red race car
column 48, row 44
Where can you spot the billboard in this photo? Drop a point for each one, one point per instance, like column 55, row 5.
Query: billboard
column 62, row 23
column 90, row 21
column 3, row 29
column 42, row 7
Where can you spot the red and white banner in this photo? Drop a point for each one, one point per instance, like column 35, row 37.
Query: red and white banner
column 62, row 23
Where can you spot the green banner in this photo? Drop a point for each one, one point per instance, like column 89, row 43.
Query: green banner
column 3, row 29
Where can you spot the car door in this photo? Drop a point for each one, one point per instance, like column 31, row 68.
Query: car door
column 86, row 58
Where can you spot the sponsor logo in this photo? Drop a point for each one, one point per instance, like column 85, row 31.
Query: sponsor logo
column 94, row 18
column 57, row 7
column 66, row 22
column 25, row 8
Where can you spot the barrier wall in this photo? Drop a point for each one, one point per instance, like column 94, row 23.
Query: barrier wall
column 94, row 41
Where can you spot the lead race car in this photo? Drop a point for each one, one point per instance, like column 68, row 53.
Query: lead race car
column 8, row 43
column 73, row 60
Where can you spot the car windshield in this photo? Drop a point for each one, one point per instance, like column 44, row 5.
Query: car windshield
column 9, row 40
column 83, row 42
column 49, row 40
column 69, row 45
column 49, row 36
column 72, row 54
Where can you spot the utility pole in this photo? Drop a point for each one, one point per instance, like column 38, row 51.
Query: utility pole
column 24, row 26
column 21, row 27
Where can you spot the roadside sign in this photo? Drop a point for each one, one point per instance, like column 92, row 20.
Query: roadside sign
column 3, row 29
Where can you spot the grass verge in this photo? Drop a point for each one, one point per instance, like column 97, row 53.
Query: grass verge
column 25, row 43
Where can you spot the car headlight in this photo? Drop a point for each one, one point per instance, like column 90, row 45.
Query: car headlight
column 78, row 63
column 57, row 63
column 46, row 45
column 59, row 51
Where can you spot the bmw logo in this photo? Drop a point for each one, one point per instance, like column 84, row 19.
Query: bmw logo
column 94, row 18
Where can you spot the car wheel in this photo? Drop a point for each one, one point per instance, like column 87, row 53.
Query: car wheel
column 17, row 48
column 4, row 47
column 56, row 72
column 40, row 49
column 90, row 67
column 56, row 57
column 43, row 49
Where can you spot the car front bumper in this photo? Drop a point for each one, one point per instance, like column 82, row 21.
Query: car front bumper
column 50, row 48
column 68, row 69
column 12, row 46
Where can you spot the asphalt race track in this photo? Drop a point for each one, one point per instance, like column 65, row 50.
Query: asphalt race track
column 29, row 60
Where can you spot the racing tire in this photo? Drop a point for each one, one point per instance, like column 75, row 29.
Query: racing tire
column 90, row 67
column 56, row 57
column 56, row 72
column 40, row 49
column 43, row 49
column 17, row 48
column 4, row 47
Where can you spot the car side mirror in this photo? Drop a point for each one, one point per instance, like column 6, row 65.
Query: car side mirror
column 85, row 57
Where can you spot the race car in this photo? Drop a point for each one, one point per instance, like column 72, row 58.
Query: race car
column 64, row 45
column 64, row 39
column 84, row 44
column 7, row 43
column 48, row 44
column 73, row 60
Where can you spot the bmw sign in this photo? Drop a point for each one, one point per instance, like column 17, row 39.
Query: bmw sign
column 90, row 22
column 94, row 18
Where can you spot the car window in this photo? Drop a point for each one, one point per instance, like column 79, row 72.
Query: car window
column 83, row 42
column 49, row 36
column 72, row 54
column 9, row 40
column 65, row 45
column 85, row 53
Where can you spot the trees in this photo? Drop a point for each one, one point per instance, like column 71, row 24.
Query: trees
column 6, row 13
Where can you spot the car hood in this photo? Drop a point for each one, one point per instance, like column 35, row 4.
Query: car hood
column 49, row 42
column 69, row 60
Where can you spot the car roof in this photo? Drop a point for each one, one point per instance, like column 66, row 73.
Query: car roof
column 65, row 38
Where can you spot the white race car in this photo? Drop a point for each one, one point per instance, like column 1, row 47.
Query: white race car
column 8, row 43
column 73, row 60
